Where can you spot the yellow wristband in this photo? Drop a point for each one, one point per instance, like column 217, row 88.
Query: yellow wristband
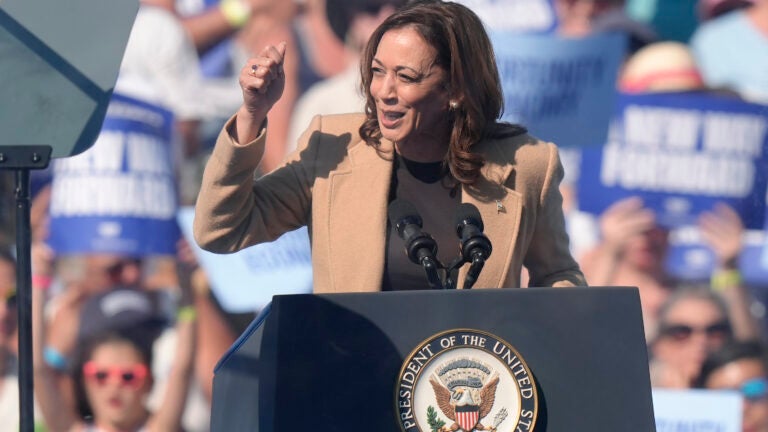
column 722, row 280
column 186, row 314
column 236, row 12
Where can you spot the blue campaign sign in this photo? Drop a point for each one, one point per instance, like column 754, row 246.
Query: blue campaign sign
column 515, row 15
column 562, row 89
column 764, row 256
column 245, row 281
column 690, row 258
column 120, row 195
column 681, row 153
column 697, row 410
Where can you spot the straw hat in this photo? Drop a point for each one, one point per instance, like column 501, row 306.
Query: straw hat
column 661, row 67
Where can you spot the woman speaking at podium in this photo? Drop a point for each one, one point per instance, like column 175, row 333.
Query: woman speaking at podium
column 429, row 135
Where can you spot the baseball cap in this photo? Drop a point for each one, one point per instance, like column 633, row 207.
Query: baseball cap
column 123, row 310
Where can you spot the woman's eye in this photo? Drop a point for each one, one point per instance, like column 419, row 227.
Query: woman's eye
column 408, row 78
column 377, row 70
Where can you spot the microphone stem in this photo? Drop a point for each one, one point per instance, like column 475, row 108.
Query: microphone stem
column 450, row 281
column 478, row 261
column 430, row 268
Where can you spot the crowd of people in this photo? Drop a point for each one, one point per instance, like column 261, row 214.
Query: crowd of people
column 127, row 343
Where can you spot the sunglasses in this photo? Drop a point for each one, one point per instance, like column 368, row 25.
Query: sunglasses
column 755, row 389
column 683, row 332
column 132, row 376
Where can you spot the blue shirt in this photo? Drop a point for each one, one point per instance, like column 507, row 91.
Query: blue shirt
column 731, row 52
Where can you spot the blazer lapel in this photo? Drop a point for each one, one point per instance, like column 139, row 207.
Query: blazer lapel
column 358, row 220
column 501, row 211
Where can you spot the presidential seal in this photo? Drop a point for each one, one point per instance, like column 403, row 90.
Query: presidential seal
column 464, row 381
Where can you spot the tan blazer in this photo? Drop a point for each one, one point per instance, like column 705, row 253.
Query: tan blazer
column 339, row 187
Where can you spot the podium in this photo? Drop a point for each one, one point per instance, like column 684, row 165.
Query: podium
column 345, row 362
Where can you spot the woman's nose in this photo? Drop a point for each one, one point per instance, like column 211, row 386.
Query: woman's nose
column 386, row 89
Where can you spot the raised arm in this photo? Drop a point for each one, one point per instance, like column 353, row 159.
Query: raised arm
column 55, row 408
column 169, row 413
column 723, row 230
column 620, row 224
column 262, row 80
column 225, row 209
column 214, row 335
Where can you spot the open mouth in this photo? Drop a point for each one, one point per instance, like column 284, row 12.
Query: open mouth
column 390, row 118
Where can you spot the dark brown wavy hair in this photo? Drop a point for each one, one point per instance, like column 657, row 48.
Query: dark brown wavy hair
column 465, row 52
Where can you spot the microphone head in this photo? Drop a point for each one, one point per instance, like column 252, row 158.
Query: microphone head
column 467, row 214
column 402, row 213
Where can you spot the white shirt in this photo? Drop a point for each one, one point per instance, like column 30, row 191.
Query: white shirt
column 339, row 94
column 160, row 66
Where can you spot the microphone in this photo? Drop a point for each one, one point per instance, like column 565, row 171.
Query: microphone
column 420, row 247
column 475, row 247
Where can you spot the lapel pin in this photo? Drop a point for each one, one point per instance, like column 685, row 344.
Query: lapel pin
column 500, row 207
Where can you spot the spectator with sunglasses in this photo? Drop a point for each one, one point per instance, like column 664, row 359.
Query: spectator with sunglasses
column 633, row 250
column 111, row 371
column 741, row 366
column 83, row 277
column 693, row 322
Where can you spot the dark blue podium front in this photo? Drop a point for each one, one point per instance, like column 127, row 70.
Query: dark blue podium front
column 331, row 362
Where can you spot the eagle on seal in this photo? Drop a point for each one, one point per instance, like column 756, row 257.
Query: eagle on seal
column 462, row 409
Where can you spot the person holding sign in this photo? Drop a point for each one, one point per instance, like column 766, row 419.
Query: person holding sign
column 636, row 219
column 112, row 370
column 632, row 252
column 429, row 135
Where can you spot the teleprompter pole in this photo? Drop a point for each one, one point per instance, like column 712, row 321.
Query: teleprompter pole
column 23, row 159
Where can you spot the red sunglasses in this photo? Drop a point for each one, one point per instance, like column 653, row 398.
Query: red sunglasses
column 132, row 376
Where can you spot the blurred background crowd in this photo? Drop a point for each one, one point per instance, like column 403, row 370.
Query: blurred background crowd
column 128, row 339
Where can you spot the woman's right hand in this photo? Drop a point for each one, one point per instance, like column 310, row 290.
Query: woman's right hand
column 262, row 81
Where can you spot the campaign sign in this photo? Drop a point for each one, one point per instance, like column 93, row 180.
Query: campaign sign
column 681, row 153
column 517, row 16
column 562, row 89
column 697, row 410
column 690, row 258
column 764, row 256
column 120, row 195
column 245, row 281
